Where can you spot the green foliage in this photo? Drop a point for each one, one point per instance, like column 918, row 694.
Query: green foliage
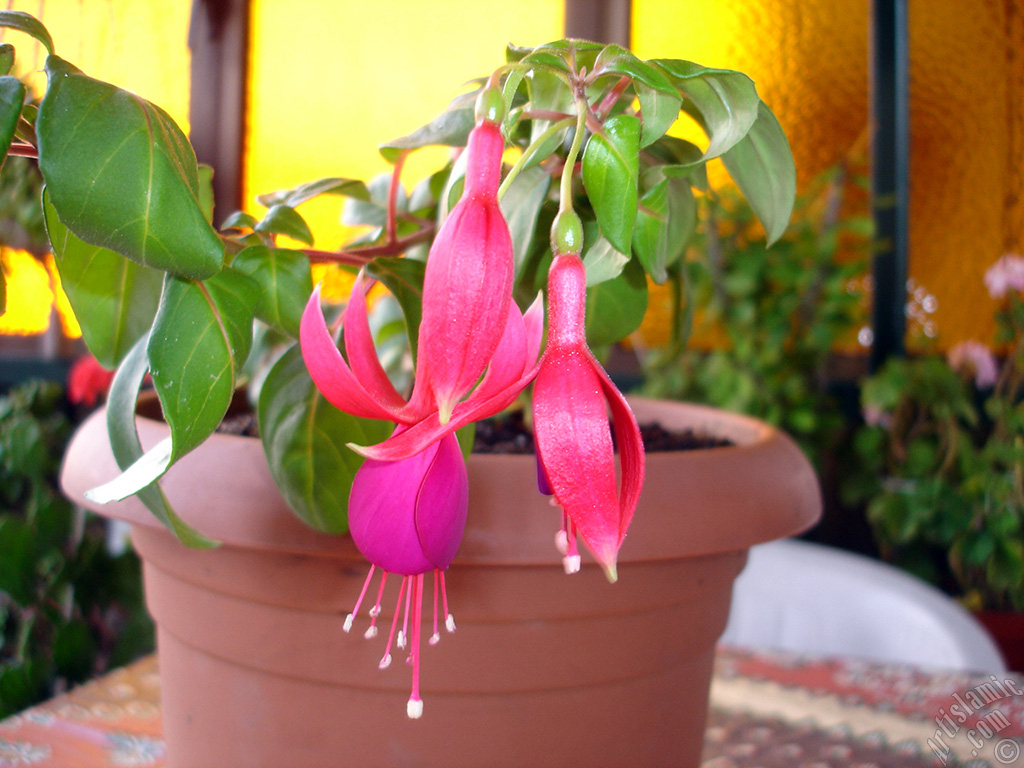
column 158, row 289
column 773, row 317
column 68, row 609
column 942, row 467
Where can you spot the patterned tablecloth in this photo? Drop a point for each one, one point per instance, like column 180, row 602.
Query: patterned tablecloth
column 771, row 710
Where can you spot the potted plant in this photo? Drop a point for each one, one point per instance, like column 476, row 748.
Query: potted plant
column 503, row 277
column 941, row 451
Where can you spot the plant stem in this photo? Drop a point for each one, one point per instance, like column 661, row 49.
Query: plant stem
column 565, row 188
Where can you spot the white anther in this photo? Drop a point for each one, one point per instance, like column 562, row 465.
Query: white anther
column 385, row 662
column 435, row 638
column 400, row 640
column 371, row 632
column 414, row 709
column 375, row 611
column 347, row 626
column 571, row 564
column 449, row 623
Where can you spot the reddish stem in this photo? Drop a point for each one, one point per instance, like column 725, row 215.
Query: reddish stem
column 23, row 150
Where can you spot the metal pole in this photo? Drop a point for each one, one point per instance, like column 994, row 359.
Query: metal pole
column 890, row 149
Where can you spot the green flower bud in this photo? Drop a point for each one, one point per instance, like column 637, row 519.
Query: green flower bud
column 490, row 106
column 566, row 234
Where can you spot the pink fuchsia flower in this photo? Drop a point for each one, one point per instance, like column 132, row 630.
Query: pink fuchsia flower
column 1006, row 275
column 975, row 359
column 411, row 529
column 571, row 398
column 467, row 287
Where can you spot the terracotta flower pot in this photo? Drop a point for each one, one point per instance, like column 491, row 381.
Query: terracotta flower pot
column 544, row 670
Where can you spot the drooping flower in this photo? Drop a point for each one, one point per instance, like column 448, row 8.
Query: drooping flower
column 571, row 399
column 407, row 518
column 1006, row 275
column 467, row 286
column 975, row 359
column 407, row 506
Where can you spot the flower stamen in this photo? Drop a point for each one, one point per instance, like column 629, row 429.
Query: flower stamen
column 414, row 708
column 385, row 660
column 371, row 631
column 350, row 618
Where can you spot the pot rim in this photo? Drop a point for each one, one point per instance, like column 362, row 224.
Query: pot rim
column 695, row 502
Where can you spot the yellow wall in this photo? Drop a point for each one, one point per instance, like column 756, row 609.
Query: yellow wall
column 376, row 70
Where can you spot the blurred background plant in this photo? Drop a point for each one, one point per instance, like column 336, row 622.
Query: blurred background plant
column 942, row 458
column 764, row 325
column 69, row 607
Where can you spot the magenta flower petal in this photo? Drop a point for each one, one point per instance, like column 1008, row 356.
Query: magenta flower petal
column 467, row 287
column 329, row 370
column 408, row 516
column 442, row 504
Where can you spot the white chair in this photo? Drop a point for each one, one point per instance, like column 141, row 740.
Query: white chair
column 798, row 596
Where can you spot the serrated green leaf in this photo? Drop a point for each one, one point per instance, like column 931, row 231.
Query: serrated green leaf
column 285, row 283
column 610, row 175
column 664, row 224
column 285, row 220
column 122, row 175
column 404, row 278
column 28, row 24
column 450, row 129
column 762, row 166
column 127, row 449
column 616, row 307
column 305, row 192
column 12, row 97
column 521, row 205
column 304, row 438
column 603, row 262
column 6, row 58
column 200, row 339
column 724, row 102
column 114, row 299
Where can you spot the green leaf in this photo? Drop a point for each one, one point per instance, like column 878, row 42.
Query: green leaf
column 114, row 299
column 16, row 559
column 127, row 449
column 404, row 278
column 521, row 205
column 451, row 129
column 603, row 262
column 724, row 102
column 200, row 339
column 284, row 220
column 548, row 92
column 206, row 191
column 30, row 25
column 762, row 167
column 610, row 172
column 285, row 283
column 304, row 438
column 664, row 224
column 304, row 192
column 12, row 97
column 6, row 58
column 660, row 110
column 122, row 175
column 240, row 220
column 615, row 308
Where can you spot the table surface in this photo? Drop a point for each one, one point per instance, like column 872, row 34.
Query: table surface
column 768, row 709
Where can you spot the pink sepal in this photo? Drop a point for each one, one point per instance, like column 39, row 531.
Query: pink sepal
column 362, row 353
column 329, row 370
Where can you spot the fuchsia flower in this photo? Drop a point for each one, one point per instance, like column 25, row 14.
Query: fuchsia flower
column 476, row 353
column 571, row 398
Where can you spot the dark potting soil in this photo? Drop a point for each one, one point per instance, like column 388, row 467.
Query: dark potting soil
column 509, row 434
